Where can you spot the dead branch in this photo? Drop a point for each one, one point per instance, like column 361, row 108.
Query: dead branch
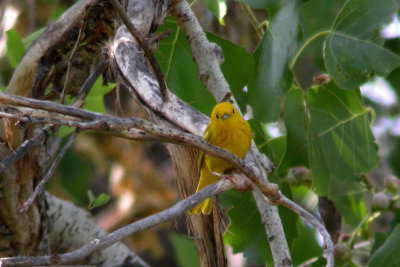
column 145, row 46
column 50, row 172
column 120, row 234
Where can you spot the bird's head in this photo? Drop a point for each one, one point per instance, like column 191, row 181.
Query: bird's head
column 225, row 115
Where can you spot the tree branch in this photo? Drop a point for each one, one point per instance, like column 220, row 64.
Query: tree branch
column 74, row 227
column 101, row 122
column 50, row 172
column 29, row 144
column 120, row 234
column 145, row 46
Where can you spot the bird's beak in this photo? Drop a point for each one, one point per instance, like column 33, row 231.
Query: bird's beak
column 226, row 116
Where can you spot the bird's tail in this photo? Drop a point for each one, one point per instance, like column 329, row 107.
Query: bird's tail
column 206, row 178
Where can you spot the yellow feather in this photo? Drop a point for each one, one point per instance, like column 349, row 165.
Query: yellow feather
column 228, row 130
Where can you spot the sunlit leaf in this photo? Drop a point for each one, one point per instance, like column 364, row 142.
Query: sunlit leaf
column 14, row 47
column 217, row 7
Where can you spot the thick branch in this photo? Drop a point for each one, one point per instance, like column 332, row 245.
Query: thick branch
column 53, row 167
column 145, row 46
column 74, row 227
column 120, row 234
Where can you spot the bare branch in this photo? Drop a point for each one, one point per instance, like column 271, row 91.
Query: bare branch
column 29, row 144
column 145, row 46
column 40, row 187
column 173, row 135
column 120, row 234
column 74, row 227
column 329, row 249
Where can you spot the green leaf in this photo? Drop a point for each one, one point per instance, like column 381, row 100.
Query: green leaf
column 276, row 148
column 248, row 235
column 184, row 251
column 76, row 180
column 272, row 77
column 317, row 16
column 97, row 201
column 32, row 37
column 14, row 47
column 91, row 196
column 340, row 147
column 218, row 8
column 296, row 125
column 99, row 89
column 64, row 131
column 245, row 232
column 95, row 103
column 237, row 68
column 351, row 61
column 394, row 157
column 101, row 200
column 306, row 246
column 95, row 98
column 181, row 73
column 388, row 253
column 262, row 4
column 353, row 50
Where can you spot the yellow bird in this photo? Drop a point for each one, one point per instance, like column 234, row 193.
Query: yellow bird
column 228, row 130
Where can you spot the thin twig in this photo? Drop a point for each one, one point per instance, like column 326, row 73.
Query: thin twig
column 285, row 202
column 122, row 233
column 329, row 249
column 88, row 84
column 145, row 46
column 67, row 76
column 40, row 187
column 23, row 149
column 96, row 125
column 29, row 144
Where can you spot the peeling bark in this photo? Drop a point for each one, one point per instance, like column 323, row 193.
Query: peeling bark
column 71, row 221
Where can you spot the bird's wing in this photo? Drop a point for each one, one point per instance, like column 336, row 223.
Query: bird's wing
column 206, row 137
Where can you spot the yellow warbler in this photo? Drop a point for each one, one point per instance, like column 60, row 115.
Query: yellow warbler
column 228, row 130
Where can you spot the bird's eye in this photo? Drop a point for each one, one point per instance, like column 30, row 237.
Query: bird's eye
column 217, row 116
column 233, row 111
